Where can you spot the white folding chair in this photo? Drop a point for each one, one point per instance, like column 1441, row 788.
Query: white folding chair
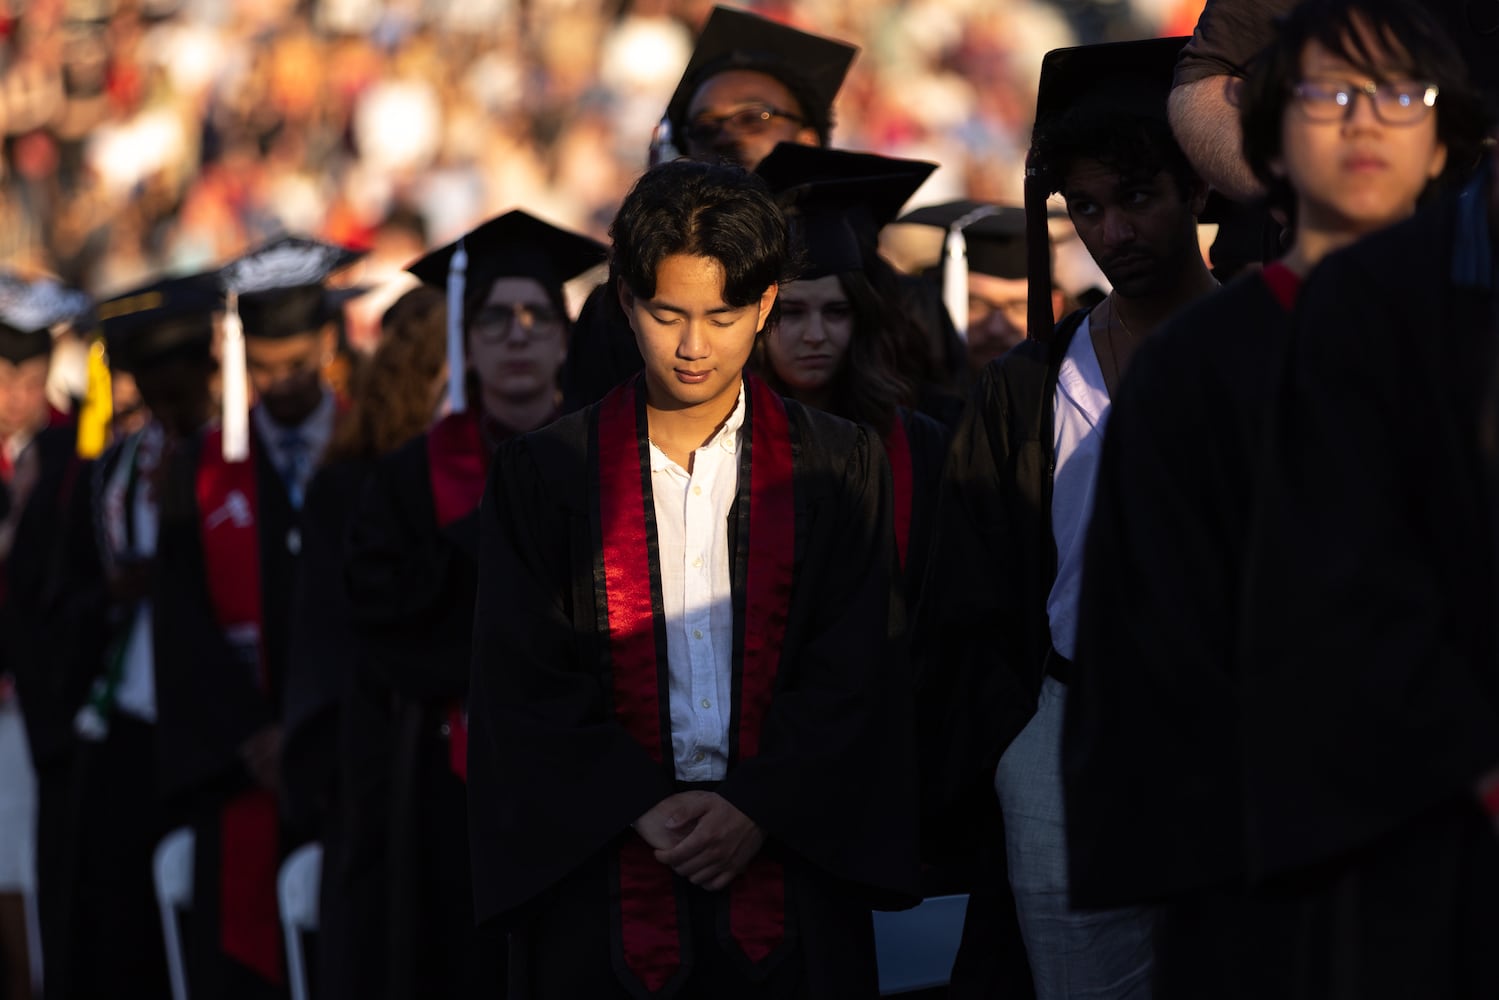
column 297, row 892
column 915, row 948
column 172, row 866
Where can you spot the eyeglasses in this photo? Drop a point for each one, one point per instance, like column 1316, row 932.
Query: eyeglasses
column 494, row 322
column 753, row 119
column 1399, row 102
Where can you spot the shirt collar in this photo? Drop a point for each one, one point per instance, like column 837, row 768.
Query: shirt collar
column 726, row 438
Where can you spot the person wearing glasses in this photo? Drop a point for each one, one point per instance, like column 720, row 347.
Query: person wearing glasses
column 411, row 569
column 1348, row 118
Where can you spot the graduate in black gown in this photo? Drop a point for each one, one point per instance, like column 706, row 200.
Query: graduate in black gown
column 339, row 731
column 412, row 571
column 837, row 345
column 690, row 762
column 160, row 334
column 226, row 567
column 40, row 465
column 1152, row 729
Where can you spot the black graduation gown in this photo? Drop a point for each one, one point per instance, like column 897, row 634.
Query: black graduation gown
column 928, row 441
column 556, row 781
column 1370, row 687
column 601, row 351
column 115, row 946
column 1152, row 728
column 411, row 587
column 321, row 707
column 43, row 661
column 208, row 703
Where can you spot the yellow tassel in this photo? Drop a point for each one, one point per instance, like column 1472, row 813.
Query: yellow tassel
column 98, row 409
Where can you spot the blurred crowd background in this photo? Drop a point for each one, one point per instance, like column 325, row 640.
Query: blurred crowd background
column 150, row 135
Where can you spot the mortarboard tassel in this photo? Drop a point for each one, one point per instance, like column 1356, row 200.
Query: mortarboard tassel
column 97, row 409
column 955, row 279
column 1040, row 321
column 457, row 364
column 236, row 422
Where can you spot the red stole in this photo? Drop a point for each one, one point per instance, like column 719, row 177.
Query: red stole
column 898, row 451
column 650, row 912
column 457, row 467
column 249, row 923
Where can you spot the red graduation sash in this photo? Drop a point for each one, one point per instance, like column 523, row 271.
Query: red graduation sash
column 898, row 451
column 457, row 467
column 651, row 913
column 249, row 922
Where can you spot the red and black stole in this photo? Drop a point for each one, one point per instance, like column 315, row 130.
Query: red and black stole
column 648, row 902
column 898, row 453
column 249, row 925
column 457, row 467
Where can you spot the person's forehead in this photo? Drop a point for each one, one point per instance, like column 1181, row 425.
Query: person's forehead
column 995, row 287
column 273, row 348
column 826, row 288
column 1095, row 175
column 516, row 288
column 735, row 87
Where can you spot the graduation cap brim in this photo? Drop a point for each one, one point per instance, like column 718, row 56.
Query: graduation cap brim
column 161, row 320
column 811, row 66
column 279, row 286
column 995, row 237
column 1116, row 79
column 516, row 244
column 30, row 309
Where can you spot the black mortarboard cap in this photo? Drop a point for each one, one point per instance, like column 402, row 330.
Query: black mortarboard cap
column 812, row 67
column 279, row 285
column 516, row 244
column 837, row 201
column 994, row 234
column 1130, row 79
column 30, row 309
column 161, row 320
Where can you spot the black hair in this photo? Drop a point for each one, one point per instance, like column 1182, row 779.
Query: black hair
column 1406, row 34
column 701, row 210
column 1133, row 145
column 868, row 385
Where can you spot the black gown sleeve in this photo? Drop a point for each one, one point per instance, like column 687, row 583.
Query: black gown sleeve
column 834, row 780
column 552, row 777
column 410, row 584
column 1368, row 655
column 207, row 701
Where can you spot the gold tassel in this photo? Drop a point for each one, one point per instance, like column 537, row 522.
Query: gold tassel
column 97, row 411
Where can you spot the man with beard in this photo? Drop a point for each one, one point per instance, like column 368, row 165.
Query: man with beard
column 226, row 561
column 1018, row 491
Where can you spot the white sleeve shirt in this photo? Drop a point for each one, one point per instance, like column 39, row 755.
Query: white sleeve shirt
column 136, row 693
column 1080, row 410
column 692, row 513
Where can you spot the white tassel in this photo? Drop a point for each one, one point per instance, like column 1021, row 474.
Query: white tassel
column 457, row 364
column 955, row 279
column 236, row 390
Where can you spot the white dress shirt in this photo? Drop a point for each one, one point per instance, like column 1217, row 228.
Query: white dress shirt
column 1080, row 410
column 692, row 513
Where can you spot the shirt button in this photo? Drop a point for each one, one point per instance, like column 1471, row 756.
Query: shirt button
column 707, row 703
column 697, row 491
column 728, row 445
column 698, row 757
column 697, row 563
column 697, row 633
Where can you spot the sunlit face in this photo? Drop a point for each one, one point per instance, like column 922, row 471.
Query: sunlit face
column 286, row 373
column 1355, row 173
column 1141, row 231
column 721, row 97
column 808, row 346
column 23, row 395
column 517, row 341
column 695, row 345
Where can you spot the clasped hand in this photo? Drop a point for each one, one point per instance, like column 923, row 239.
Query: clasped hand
column 702, row 837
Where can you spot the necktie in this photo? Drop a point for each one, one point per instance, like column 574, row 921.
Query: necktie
column 293, row 465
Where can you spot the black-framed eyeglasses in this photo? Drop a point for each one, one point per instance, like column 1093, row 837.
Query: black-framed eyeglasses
column 752, row 119
column 494, row 322
column 1396, row 102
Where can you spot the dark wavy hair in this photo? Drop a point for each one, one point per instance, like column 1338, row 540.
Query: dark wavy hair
column 702, row 210
column 868, row 385
column 1132, row 145
column 1407, row 36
